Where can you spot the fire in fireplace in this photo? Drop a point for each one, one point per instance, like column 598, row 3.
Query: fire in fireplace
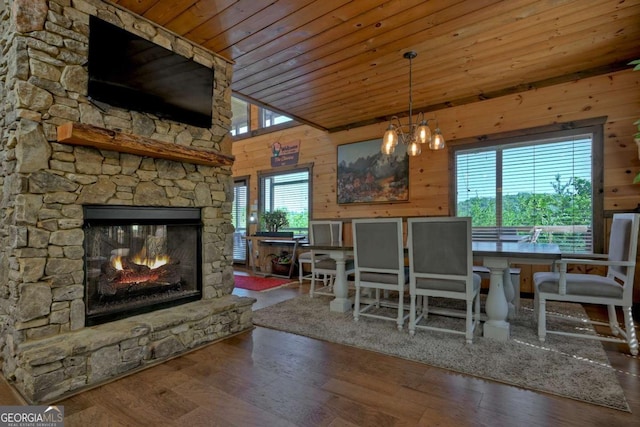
column 139, row 259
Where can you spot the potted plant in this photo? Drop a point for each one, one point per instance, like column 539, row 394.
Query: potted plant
column 281, row 264
column 273, row 221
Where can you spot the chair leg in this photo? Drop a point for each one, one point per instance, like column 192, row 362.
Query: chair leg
column 412, row 316
column 613, row 320
column 300, row 272
column 400, row 310
column 542, row 319
column 478, row 308
column 469, row 322
column 312, row 287
column 327, row 281
column 630, row 330
column 356, row 304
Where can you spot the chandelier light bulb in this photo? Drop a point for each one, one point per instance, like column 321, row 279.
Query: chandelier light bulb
column 437, row 143
column 390, row 140
column 414, row 149
column 423, row 133
column 387, row 146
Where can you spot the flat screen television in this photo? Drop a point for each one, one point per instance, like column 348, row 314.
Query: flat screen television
column 130, row 72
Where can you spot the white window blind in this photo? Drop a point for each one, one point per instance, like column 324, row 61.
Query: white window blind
column 511, row 189
column 288, row 191
column 239, row 219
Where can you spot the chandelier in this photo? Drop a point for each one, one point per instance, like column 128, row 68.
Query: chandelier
column 413, row 135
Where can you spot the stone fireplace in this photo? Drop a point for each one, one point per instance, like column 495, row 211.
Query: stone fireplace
column 115, row 225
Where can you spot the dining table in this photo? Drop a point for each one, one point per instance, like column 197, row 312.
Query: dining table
column 497, row 256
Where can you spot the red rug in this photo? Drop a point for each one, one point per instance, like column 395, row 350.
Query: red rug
column 255, row 283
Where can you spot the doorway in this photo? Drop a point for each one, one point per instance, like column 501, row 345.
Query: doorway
column 240, row 219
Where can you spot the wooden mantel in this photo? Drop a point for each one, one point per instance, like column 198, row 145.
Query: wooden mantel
column 106, row 139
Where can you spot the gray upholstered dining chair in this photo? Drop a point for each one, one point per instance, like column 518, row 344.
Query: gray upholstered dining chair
column 324, row 233
column 378, row 251
column 441, row 265
column 615, row 289
column 321, row 232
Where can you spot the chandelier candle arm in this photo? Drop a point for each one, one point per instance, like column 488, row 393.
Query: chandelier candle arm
column 411, row 135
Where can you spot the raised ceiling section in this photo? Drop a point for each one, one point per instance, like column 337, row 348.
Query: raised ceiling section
column 338, row 64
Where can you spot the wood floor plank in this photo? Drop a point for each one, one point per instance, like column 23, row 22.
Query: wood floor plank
column 151, row 403
column 232, row 409
column 78, row 408
column 95, row 416
column 386, row 402
column 339, row 422
column 9, row 396
column 361, row 415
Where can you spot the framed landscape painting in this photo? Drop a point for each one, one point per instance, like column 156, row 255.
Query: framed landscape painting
column 365, row 175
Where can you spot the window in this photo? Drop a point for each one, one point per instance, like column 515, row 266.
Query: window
column 509, row 186
column 241, row 115
column 271, row 118
column 250, row 120
column 288, row 191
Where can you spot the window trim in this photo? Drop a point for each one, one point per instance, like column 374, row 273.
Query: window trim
column 261, row 174
column 593, row 126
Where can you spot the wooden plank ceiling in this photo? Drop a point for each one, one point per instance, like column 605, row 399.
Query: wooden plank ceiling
column 337, row 64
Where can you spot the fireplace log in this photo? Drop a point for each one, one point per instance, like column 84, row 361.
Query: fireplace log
column 135, row 277
column 169, row 274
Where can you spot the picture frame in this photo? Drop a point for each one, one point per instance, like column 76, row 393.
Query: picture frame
column 365, row 175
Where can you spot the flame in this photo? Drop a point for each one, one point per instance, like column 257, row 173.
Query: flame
column 117, row 263
column 152, row 263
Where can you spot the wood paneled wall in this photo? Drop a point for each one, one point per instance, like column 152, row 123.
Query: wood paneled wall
column 615, row 96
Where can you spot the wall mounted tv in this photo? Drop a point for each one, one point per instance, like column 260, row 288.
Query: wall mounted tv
column 130, row 72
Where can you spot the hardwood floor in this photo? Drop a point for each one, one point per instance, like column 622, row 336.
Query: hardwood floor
column 270, row 378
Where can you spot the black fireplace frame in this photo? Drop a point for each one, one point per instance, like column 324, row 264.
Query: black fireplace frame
column 113, row 215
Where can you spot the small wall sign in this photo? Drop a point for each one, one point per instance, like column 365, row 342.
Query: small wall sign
column 284, row 153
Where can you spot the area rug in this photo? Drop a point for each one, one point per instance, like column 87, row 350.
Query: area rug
column 256, row 283
column 569, row 367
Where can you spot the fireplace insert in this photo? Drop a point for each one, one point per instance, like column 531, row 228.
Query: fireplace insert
column 139, row 259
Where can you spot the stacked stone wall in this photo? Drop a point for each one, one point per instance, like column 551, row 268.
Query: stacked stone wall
column 45, row 185
column 6, row 300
